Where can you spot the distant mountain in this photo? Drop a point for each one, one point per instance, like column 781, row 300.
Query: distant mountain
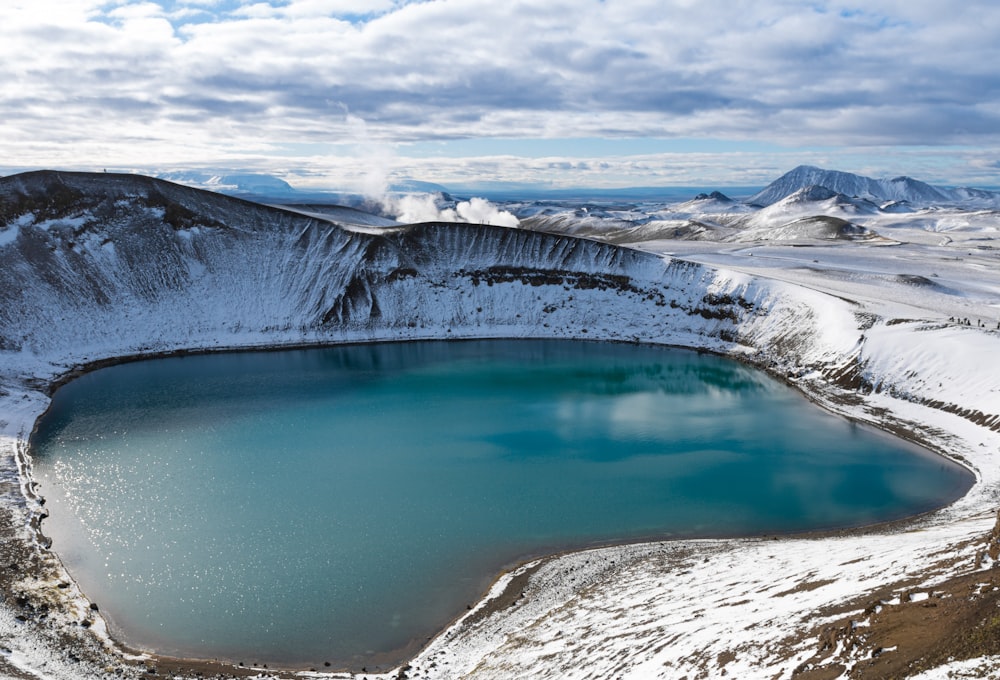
column 413, row 186
column 271, row 189
column 832, row 201
column 714, row 196
column 503, row 191
column 234, row 184
column 809, row 203
column 342, row 215
column 846, row 183
column 900, row 207
column 970, row 195
column 703, row 204
column 814, row 228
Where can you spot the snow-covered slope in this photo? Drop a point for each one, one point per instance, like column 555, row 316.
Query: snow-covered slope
column 703, row 218
column 709, row 204
column 97, row 267
column 342, row 215
column 582, row 220
column 814, row 212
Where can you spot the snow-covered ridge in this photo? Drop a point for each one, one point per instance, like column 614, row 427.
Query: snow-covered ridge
column 880, row 190
column 811, row 214
column 106, row 266
column 94, row 267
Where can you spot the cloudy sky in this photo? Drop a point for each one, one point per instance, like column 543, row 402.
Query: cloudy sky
column 605, row 93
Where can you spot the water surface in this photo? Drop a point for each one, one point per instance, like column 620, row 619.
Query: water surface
column 323, row 505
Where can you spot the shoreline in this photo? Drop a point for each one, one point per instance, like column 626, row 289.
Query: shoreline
column 856, row 335
column 518, row 569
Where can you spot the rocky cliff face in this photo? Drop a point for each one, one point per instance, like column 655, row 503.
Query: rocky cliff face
column 93, row 266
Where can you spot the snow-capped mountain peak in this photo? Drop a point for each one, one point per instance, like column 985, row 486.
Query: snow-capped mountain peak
column 878, row 190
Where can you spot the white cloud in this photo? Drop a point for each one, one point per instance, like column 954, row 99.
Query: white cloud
column 324, row 8
column 132, row 82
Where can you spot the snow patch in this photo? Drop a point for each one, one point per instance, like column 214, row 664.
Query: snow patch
column 9, row 235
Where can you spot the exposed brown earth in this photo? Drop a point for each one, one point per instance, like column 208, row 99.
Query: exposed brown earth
column 903, row 630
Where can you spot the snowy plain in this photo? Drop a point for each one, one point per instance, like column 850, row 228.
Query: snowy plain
column 873, row 328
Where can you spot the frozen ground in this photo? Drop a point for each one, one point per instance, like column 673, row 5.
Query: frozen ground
column 705, row 609
column 741, row 608
column 873, row 328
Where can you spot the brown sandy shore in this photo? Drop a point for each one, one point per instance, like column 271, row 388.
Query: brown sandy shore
column 959, row 621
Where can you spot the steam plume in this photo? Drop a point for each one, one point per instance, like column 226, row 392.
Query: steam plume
column 411, row 208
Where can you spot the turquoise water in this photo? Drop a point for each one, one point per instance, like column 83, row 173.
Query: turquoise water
column 333, row 504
